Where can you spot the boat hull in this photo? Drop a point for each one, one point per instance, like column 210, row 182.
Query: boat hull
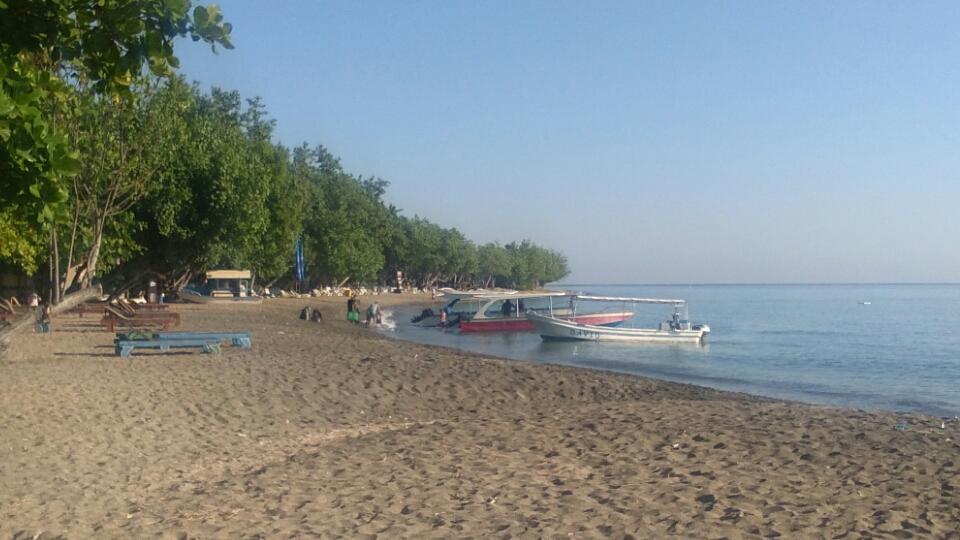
column 523, row 323
column 558, row 330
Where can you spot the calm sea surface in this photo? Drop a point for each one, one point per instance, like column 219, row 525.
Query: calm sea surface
column 813, row 343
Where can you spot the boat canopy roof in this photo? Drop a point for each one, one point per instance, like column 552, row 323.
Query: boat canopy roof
column 631, row 299
column 518, row 295
column 447, row 292
column 228, row 274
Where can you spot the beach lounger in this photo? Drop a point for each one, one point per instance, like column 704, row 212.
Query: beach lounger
column 98, row 307
column 134, row 307
column 114, row 318
column 87, row 307
column 131, row 309
column 238, row 339
column 125, row 348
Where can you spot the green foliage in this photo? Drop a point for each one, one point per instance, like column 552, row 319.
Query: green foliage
column 217, row 186
column 495, row 264
column 136, row 173
column 533, row 266
column 458, row 255
column 284, row 204
column 46, row 48
column 352, row 233
column 18, row 241
column 343, row 219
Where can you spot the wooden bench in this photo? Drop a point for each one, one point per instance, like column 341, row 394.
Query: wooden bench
column 238, row 339
column 125, row 348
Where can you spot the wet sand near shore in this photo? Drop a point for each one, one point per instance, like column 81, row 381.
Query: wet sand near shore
column 329, row 429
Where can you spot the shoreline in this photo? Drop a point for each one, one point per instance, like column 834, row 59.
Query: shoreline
column 327, row 428
column 841, row 407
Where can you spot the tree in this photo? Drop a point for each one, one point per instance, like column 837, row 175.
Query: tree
column 533, row 266
column 458, row 255
column 495, row 266
column 210, row 207
column 426, row 256
column 396, row 245
column 342, row 221
column 45, row 49
column 119, row 142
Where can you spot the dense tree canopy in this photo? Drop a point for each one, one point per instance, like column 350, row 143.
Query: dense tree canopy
column 60, row 61
column 114, row 171
column 48, row 47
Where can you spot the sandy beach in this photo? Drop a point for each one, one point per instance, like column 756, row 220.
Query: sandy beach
column 331, row 430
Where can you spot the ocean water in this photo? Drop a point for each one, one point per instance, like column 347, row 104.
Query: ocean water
column 900, row 351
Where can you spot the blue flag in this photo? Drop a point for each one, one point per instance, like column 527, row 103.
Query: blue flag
column 299, row 271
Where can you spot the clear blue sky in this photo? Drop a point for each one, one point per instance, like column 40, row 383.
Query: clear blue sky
column 662, row 142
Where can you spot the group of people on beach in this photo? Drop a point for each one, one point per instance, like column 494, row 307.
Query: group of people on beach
column 311, row 314
column 374, row 315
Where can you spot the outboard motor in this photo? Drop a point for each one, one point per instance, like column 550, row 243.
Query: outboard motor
column 425, row 314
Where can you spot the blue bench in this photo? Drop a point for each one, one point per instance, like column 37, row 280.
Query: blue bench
column 125, row 348
column 237, row 339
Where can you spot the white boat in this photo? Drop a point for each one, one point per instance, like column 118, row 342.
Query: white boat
column 676, row 330
column 221, row 287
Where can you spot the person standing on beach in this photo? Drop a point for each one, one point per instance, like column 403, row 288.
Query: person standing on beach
column 43, row 318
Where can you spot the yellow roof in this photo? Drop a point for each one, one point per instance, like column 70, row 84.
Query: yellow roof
column 228, row 274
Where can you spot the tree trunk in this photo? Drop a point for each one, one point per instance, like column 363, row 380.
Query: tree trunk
column 94, row 254
column 56, row 269
column 70, row 275
column 50, row 274
column 182, row 281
